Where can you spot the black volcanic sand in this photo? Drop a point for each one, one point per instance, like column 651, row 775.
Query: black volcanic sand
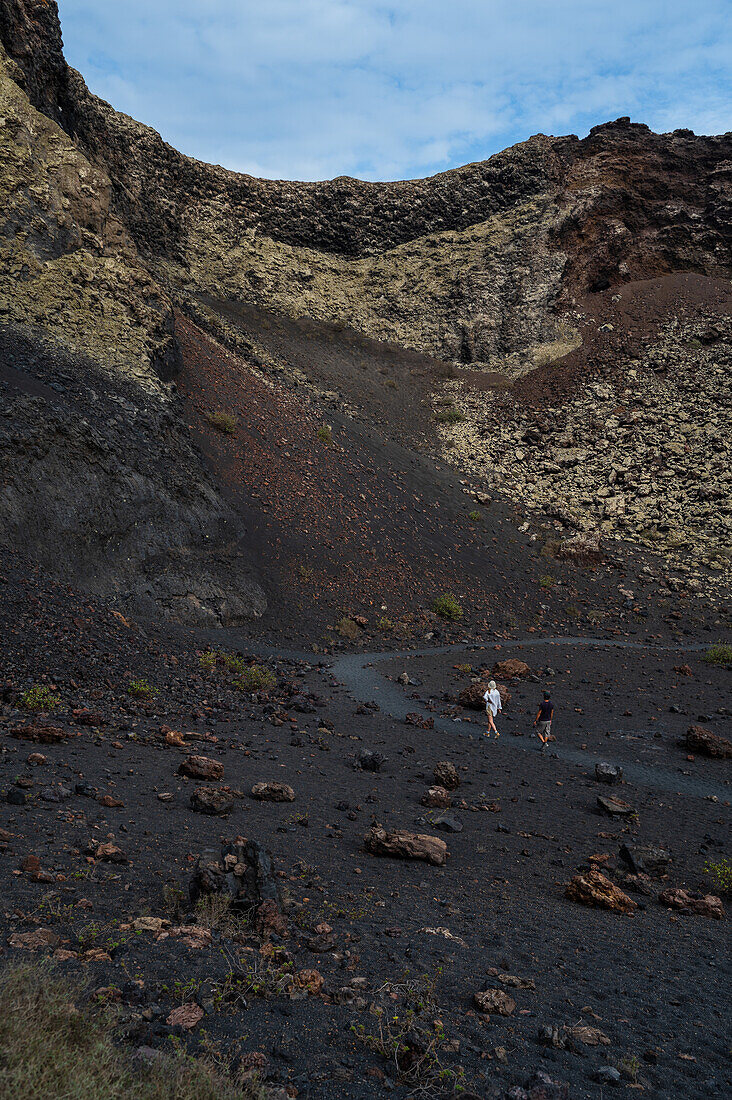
column 655, row 983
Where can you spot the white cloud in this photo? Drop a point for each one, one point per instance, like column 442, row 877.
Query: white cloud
column 392, row 88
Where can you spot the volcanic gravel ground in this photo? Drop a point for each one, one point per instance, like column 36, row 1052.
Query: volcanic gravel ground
column 654, row 983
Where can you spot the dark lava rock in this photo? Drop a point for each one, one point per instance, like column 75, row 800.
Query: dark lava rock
column 614, row 807
column 245, row 872
column 215, row 802
column 608, row 773
column 370, row 761
column 645, row 859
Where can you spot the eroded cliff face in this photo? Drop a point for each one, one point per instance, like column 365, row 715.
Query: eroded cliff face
column 470, row 265
column 494, row 266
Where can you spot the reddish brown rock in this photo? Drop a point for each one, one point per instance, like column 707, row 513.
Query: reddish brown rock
column 511, row 669
column 273, row 792
column 495, row 1001
column 36, row 759
column 270, row 920
column 436, row 797
column 594, row 889
column 684, row 670
column 708, row 906
column 707, row 743
column 446, row 775
column 43, row 735
column 311, row 980
column 110, row 853
column 201, row 767
column 32, row 941
column 401, row 845
column 212, row 801
column 186, row 1016
column 84, row 717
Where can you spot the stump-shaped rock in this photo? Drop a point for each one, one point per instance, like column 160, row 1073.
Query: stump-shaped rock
column 273, row 792
column 201, row 767
column 401, row 845
column 436, row 797
column 446, row 776
column 208, row 800
column 495, row 1001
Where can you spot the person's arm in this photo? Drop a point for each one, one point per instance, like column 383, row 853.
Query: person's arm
column 537, row 716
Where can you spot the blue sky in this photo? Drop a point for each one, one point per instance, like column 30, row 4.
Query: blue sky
column 393, row 89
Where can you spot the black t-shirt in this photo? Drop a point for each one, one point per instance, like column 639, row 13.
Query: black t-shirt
column 546, row 709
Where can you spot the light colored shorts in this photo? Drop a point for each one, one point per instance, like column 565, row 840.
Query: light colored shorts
column 544, row 728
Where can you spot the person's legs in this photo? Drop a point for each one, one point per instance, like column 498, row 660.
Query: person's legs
column 491, row 723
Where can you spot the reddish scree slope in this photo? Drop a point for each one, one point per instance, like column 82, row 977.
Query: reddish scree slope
column 347, row 526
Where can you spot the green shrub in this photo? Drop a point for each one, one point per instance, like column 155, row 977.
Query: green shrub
column 720, row 872
column 547, row 581
column 233, row 662
column 449, row 416
column 207, row 660
column 325, row 434
column 39, row 697
column 719, row 654
column 385, row 624
column 447, row 607
column 256, row 678
column 222, row 422
column 475, row 516
column 141, row 689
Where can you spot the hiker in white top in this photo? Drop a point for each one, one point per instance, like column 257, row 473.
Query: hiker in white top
column 492, row 706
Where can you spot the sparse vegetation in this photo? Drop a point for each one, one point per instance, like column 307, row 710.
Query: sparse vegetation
column 475, row 516
column 207, row 660
column 720, row 873
column 141, row 689
column 325, row 434
column 256, row 678
column 447, row 607
column 52, row 1047
column 39, row 697
column 449, row 416
column 222, row 422
column 547, row 581
column 385, row 624
column 719, row 654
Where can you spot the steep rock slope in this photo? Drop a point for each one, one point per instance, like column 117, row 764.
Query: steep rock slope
column 498, row 268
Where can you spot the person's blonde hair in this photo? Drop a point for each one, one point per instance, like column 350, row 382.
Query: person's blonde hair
column 492, row 685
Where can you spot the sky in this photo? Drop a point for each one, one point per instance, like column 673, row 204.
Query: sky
column 397, row 89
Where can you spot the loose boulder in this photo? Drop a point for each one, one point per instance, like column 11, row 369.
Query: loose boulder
column 446, row 776
column 201, row 767
column 707, row 906
column 511, row 669
column 43, row 735
column 212, row 801
column 471, row 696
column 436, row 797
column 495, row 1001
column 401, row 845
column 707, row 743
column 273, row 792
column 608, row 773
column 645, row 859
column 614, row 807
column 595, row 890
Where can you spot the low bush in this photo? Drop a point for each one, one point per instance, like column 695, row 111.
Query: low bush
column 141, row 689
column 325, row 434
column 447, row 607
column 720, row 873
column 222, row 422
column 449, row 416
column 719, row 654
column 39, row 697
column 256, row 678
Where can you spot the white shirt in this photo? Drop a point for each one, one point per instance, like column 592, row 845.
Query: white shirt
column 493, row 701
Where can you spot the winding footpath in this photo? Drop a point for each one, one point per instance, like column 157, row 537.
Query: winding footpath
column 358, row 672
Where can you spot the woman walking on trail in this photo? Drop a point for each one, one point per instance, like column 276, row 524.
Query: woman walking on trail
column 492, row 706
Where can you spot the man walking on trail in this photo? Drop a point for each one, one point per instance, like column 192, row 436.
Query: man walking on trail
column 543, row 720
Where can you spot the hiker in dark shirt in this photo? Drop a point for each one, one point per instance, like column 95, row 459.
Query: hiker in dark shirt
column 543, row 720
